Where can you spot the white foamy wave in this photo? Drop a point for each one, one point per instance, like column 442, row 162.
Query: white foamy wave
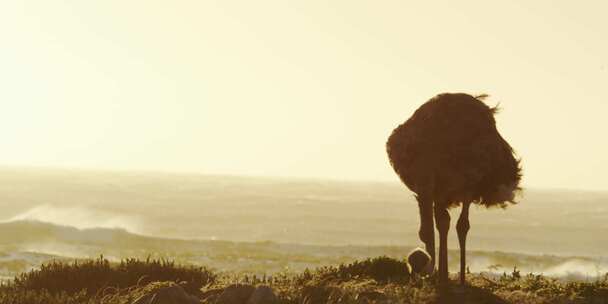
column 577, row 267
column 566, row 267
column 81, row 218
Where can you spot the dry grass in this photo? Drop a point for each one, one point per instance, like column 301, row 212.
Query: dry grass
column 378, row 280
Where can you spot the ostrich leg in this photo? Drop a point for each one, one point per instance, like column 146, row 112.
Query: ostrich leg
column 427, row 231
column 442, row 220
column 462, row 227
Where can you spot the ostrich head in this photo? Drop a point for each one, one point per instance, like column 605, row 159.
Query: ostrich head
column 419, row 261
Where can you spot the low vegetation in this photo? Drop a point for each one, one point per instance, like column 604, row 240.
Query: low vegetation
column 86, row 281
column 377, row 280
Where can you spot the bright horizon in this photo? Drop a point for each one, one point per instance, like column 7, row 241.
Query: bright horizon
column 313, row 89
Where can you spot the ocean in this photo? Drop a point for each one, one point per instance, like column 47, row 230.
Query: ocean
column 269, row 225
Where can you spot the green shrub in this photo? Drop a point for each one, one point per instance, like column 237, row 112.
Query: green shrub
column 382, row 269
column 10, row 295
column 95, row 275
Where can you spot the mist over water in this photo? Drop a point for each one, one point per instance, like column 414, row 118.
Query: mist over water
column 280, row 223
column 80, row 217
column 578, row 267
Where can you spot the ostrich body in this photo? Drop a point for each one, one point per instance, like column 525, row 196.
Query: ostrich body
column 449, row 153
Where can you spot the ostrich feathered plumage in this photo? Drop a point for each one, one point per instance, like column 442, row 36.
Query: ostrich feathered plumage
column 452, row 141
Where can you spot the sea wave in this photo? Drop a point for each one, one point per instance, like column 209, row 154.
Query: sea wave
column 43, row 241
column 80, row 217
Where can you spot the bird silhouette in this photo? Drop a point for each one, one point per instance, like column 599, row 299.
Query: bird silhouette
column 449, row 153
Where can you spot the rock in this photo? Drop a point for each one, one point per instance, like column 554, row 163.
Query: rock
column 318, row 294
column 210, row 296
column 166, row 294
column 263, row 295
column 338, row 296
column 314, row 294
column 236, row 294
column 370, row 297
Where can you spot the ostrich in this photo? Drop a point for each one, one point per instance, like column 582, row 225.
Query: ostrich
column 450, row 153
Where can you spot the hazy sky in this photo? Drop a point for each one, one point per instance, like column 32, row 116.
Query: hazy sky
column 296, row 88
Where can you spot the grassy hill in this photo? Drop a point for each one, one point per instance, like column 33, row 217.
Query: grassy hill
column 377, row 280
